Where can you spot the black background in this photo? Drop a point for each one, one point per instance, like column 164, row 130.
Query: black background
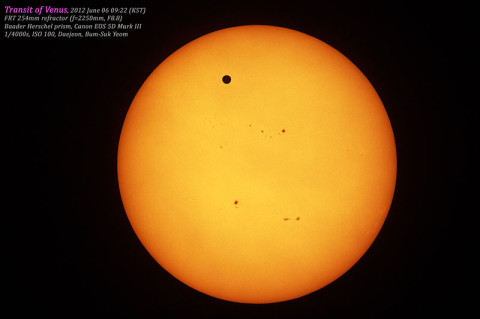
column 74, row 253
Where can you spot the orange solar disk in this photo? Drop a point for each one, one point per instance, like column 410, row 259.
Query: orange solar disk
column 257, row 164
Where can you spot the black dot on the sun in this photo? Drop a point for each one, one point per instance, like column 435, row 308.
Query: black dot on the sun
column 226, row 79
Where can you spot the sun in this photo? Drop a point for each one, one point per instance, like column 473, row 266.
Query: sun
column 257, row 164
